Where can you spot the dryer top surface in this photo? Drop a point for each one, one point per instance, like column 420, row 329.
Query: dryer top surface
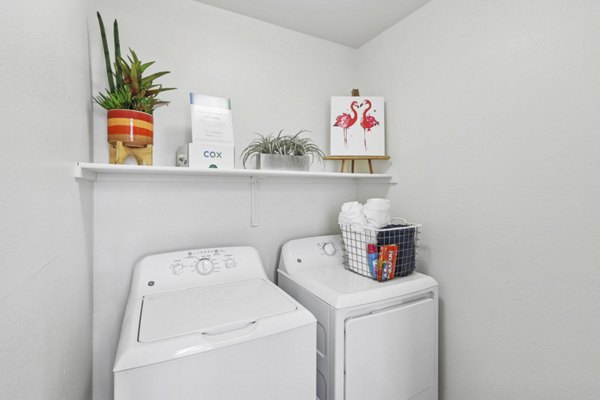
column 306, row 262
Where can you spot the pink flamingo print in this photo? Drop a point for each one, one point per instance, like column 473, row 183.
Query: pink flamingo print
column 346, row 120
column 368, row 121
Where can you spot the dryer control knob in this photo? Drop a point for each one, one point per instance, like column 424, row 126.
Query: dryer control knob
column 229, row 263
column 204, row 266
column 329, row 249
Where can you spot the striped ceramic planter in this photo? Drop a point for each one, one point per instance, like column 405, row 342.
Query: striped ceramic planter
column 133, row 128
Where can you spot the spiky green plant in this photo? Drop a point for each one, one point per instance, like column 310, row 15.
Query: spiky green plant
column 109, row 73
column 285, row 145
column 117, row 99
column 128, row 88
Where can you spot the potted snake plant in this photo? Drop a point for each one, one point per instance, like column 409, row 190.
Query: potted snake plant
column 131, row 97
column 282, row 152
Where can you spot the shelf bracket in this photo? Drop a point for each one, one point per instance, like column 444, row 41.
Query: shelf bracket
column 82, row 174
column 253, row 201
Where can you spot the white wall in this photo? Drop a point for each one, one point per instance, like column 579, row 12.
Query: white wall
column 493, row 127
column 276, row 78
column 45, row 257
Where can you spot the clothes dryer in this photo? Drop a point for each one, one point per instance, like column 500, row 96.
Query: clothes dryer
column 375, row 340
column 208, row 324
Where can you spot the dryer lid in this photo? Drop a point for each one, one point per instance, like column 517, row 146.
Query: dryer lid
column 210, row 309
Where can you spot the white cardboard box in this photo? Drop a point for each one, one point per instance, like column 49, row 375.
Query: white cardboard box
column 206, row 155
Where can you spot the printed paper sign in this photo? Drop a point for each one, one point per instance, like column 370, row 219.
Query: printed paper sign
column 211, row 125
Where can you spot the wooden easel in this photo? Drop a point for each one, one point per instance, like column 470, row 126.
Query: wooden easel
column 343, row 159
column 118, row 154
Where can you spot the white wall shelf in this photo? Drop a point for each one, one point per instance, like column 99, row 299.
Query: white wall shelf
column 94, row 172
column 133, row 173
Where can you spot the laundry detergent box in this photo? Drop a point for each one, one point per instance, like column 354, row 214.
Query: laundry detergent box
column 387, row 262
column 206, row 155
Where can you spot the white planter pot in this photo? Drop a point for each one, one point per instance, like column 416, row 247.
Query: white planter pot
column 285, row 163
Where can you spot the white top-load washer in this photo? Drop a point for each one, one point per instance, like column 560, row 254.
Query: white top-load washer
column 208, row 324
column 375, row 340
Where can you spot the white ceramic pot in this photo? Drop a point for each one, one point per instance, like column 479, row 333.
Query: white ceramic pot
column 285, row 163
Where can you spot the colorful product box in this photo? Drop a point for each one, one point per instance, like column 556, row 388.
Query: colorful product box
column 387, row 262
column 372, row 259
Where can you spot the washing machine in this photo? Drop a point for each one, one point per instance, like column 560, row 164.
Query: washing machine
column 375, row 340
column 208, row 324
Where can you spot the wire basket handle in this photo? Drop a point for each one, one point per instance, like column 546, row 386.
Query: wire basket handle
column 401, row 221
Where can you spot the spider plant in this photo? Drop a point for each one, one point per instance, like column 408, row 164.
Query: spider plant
column 128, row 88
column 284, row 145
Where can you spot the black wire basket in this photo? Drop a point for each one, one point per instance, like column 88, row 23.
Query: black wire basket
column 381, row 254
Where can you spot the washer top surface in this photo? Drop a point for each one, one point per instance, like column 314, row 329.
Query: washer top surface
column 316, row 263
column 209, row 310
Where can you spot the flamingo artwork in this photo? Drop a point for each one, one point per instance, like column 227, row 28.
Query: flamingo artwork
column 346, row 120
column 367, row 121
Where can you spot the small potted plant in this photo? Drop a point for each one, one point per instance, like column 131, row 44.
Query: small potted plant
column 282, row 152
column 130, row 100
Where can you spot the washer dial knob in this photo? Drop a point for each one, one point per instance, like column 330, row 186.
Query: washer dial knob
column 204, row 266
column 229, row 263
column 329, row 249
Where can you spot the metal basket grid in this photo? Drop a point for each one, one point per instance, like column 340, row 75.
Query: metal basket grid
column 381, row 254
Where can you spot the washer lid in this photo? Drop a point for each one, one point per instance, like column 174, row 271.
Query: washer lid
column 210, row 309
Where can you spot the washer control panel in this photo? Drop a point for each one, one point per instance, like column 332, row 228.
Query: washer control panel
column 197, row 267
column 203, row 262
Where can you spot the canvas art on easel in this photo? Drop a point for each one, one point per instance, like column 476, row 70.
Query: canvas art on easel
column 357, row 126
